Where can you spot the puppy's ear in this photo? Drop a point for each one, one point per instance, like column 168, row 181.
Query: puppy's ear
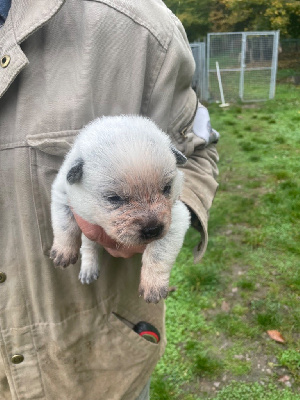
column 180, row 158
column 75, row 173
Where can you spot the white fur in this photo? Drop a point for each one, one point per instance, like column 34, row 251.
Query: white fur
column 131, row 157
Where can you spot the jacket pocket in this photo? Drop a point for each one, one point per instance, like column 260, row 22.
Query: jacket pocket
column 134, row 347
column 95, row 354
column 47, row 152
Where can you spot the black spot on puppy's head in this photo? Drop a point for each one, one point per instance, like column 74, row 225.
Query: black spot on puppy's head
column 75, row 173
column 180, row 158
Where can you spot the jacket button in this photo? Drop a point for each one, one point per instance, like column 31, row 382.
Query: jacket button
column 5, row 60
column 17, row 359
column 2, row 277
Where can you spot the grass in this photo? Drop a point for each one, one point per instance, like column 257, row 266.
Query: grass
column 249, row 280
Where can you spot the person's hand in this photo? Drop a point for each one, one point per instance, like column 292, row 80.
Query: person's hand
column 97, row 234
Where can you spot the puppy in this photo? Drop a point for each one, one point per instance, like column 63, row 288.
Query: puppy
column 121, row 174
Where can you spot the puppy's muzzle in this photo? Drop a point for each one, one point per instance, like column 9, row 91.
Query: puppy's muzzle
column 152, row 231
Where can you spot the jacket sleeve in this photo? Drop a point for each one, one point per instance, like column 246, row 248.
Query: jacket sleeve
column 187, row 122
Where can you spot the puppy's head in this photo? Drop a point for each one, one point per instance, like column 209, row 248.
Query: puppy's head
column 125, row 178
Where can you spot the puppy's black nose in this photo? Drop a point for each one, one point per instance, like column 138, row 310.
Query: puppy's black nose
column 151, row 232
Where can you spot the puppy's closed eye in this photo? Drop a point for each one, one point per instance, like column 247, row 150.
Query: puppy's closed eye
column 115, row 200
column 167, row 189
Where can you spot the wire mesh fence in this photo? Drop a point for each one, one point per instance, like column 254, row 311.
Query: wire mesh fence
column 290, row 46
column 248, row 64
column 289, row 55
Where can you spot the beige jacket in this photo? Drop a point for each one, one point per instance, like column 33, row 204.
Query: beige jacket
column 64, row 63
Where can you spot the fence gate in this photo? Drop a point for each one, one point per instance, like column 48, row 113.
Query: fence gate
column 248, row 65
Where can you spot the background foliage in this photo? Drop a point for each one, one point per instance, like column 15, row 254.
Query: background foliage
column 202, row 16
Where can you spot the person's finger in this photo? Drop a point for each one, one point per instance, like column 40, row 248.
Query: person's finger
column 97, row 234
column 94, row 232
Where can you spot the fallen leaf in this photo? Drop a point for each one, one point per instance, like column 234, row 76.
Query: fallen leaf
column 225, row 306
column 275, row 335
column 284, row 378
column 271, row 364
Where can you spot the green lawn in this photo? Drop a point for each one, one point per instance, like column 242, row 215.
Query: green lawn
column 249, row 279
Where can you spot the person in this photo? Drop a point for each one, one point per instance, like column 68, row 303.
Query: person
column 64, row 63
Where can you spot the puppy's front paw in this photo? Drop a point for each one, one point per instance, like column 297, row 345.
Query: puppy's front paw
column 152, row 294
column 63, row 257
column 88, row 276
column 154, row 284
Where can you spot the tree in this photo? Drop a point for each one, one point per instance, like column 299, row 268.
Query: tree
column 202, row 16
column 256, row 15
column 194, row 15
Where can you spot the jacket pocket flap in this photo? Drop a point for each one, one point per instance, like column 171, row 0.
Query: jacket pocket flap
column 54, row 143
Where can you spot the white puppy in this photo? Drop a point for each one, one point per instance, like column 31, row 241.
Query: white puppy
column 121, row 174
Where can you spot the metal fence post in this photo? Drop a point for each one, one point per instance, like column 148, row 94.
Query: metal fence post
column 203, row 72
column 242, row 72
column 200, row 70
column 207, row 67
column 274, row 65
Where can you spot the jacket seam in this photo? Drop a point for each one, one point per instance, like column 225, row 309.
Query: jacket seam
column 32, row 159
column 159, row 71
column 5, row 352
column 154, row 83
column 15, row 145
column 30, row 326
column 10, row 369
column 137, row 20
column 53, row 323
column 31, row 332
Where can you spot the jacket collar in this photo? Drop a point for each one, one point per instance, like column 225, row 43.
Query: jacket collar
column 29, row 15
column 24, row 18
